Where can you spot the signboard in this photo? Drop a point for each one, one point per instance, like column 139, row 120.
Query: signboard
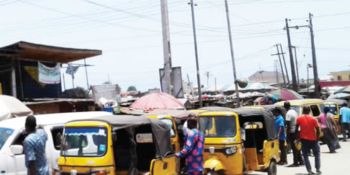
column 176, row 78
column 107, row 91
column 71, row 70
column 49, row 75
column 0, row 89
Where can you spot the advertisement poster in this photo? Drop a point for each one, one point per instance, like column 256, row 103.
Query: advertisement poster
column 49, row 75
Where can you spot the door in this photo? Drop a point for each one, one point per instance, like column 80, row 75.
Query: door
column 53, row 144
column 16, row 163
column 167, row 166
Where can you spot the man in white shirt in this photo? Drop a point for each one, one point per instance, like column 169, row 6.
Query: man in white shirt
column 291, row 117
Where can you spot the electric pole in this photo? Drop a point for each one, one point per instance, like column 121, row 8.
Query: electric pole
column 279, row 56
column 196, row 54
column 285, row 65
column 190, row 84
column 294, row 80
column 166, row 82
column 314, row 61
column 232, row 53
column 276, row 72
column 296, row 64
column 207, row 74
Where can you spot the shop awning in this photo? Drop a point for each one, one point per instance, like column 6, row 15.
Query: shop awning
column 44, row 53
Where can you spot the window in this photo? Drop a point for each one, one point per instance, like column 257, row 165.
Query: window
column 57, row 136
column 339, row 78
column 333, row 109
column 5, row 133
column 20, row 139
column 171, row 126
column 315, row 110
column 349, row 77
column 84, row 142
column 220, row 126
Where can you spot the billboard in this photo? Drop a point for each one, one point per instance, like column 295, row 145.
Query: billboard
column 176, row 78
column 107, row 91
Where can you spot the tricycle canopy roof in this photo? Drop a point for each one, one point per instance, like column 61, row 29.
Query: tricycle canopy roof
column 160, row 130
column 265, row 116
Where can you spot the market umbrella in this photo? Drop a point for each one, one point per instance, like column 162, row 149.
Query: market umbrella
column 157, row 101
column 284, row 95
column 343, row 90
column 11, row 107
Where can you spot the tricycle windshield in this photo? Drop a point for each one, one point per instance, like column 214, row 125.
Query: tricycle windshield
column 171, row 126
column 218, row 126
column 5, row 133
column 296, row 109
column 333, row 108
column 84, row 142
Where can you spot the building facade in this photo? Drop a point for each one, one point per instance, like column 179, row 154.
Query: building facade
column 341, row 75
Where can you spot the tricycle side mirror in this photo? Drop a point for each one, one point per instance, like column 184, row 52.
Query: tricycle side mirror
column 16, row 150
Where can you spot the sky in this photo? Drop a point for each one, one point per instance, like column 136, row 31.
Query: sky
column 129, row 33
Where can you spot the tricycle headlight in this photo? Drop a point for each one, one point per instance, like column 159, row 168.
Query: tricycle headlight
column 230, row 150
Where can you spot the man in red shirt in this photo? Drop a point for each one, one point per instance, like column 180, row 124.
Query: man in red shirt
column 309, row 138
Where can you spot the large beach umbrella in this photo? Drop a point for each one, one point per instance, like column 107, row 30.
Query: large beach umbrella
column 157, row 101
column 283, row 95
column 11, row 107
column 343, row 90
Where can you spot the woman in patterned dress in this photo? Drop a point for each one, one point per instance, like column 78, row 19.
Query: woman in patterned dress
column 193, row 149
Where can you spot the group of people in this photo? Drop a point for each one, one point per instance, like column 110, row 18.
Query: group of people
column 305, row 129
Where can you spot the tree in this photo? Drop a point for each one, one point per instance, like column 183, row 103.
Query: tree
column 131, row 88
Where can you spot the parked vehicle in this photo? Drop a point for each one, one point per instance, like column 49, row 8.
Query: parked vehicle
column 12, row 135
column 316, row 106
column 116, row 145
column 224, row 145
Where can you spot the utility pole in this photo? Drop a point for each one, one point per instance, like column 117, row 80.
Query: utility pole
column 196, row 54
column 190, row 84
column 167, row 85
column 314, row 60
column 207, row 74
column 232, row 53
column 285, row 65
column 296, row 64
column 276, row 72
column 215, row 87
column 279, row 56
column 294, row 79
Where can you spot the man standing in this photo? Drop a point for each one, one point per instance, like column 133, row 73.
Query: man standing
column 34, row 149
column 193, row 149
column 281, row 135
column 308, row 138
column 345, row 121
column 291, row 118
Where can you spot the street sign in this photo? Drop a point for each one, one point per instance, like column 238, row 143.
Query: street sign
column 176, row 78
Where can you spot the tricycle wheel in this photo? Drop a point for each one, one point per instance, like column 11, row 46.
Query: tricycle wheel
column 272, row 170
column 212, row 172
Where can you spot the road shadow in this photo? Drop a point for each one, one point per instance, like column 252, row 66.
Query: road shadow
column 293, row 166
column 301, row 174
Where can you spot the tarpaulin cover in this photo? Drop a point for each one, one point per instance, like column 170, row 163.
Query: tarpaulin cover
column 157, row 101
column 11, row 107
column 266, row 115
column 178, row 114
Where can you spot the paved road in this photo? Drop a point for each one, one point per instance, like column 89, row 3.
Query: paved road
column 331, row 164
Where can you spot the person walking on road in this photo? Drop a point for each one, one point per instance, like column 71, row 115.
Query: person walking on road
column 291, row 118
column 34, row 149
column 308, row 138
column 345, row 121
column 329, row 129
column 281, row 135
column 193, row 149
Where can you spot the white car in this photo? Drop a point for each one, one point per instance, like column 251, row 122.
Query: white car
column 12, row 161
